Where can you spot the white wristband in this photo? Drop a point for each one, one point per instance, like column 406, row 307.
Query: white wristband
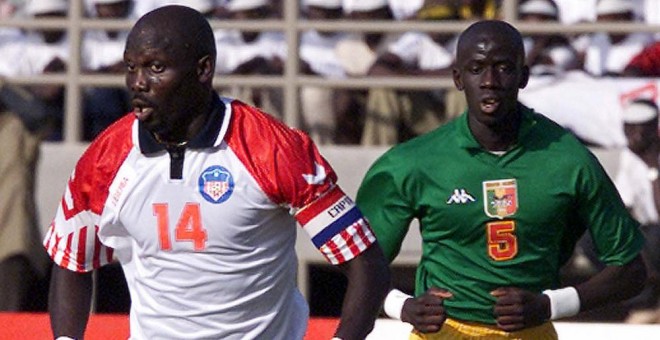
column 564, row 302
column 64, row 337
column 394, row 303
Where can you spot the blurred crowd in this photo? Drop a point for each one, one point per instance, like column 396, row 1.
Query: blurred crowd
column 377, row 116
column 374, row 116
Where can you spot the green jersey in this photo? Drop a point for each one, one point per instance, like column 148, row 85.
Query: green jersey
column 490, row 221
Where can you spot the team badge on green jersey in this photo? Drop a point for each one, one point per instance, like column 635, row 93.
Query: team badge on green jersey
column 500, row 198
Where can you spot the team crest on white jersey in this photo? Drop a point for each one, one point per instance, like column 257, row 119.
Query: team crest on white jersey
column 216, row 184
column 500, row 198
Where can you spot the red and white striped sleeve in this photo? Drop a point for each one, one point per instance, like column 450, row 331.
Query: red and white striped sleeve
column 72, row 238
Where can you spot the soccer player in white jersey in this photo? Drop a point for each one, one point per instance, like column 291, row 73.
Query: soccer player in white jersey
column 198, row 197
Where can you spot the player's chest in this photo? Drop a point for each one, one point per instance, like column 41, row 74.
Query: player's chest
column 215, row 203
column 475, row 201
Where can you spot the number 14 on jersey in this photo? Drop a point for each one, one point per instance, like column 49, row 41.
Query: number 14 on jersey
column 188, row 228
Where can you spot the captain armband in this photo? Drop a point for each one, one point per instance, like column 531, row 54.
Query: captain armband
column 564, row 302
column 394, row 303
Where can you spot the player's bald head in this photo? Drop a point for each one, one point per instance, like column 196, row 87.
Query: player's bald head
column 175, row 28
column 493, row 31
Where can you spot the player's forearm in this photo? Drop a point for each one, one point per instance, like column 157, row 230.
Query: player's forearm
column 612, row 284
column 69, row 302
column 368, row 283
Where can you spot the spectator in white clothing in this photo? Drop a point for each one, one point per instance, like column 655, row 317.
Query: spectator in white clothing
column 103, row 52
column 651, row 10
column 10, row 38
column 639, row 186
column 637, row 178
column 573, row 12
column 357, row 54
column 393, row 115
column 206, row 7
column 45, row 51
column 252, row 53
column 359, row 51
column 547, row 54
column 320, row 106
column 22, row 269
column 405, row 9
column 609, row 54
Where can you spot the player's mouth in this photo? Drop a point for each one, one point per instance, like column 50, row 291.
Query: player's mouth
column 489, row 104
column 141, row 110
column 142, row 113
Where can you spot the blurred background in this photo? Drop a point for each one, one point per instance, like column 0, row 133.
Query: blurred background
column 358, row 75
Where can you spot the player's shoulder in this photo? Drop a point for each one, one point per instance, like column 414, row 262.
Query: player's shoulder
column 428, row 151
column 111, row 145
column 438, row 142
column 555, row 142
column 555, row 136
column 256, row 127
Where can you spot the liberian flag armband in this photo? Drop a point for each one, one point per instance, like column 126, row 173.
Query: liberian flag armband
column 336, row 226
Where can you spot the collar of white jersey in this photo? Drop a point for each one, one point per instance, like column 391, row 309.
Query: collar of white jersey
column 208, row 136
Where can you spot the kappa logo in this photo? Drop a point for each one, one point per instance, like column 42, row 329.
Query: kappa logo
column 460, row 196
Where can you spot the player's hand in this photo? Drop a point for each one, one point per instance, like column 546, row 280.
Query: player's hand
column 517, row 308
column 426, row 312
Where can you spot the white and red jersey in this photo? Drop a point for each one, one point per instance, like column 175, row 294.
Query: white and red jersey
column 206, row 233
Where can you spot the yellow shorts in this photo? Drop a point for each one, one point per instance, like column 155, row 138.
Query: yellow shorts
column 462, row 330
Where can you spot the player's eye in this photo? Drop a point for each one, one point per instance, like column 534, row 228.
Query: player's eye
column 157, row 68
column 130, row 67
column 475, row 69
column 505, row 68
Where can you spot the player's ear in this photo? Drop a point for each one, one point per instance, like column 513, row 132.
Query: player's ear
column 456, row 76
column 205, row 68
column 524, row 77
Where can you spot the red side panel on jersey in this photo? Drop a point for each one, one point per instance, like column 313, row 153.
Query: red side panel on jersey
column 71, row 239
column 291, row 171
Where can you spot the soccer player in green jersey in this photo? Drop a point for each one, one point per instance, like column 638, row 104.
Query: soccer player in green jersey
column 501, row 194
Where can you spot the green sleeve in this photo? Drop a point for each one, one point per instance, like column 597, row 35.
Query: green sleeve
column 616, row 235
column 382, row 201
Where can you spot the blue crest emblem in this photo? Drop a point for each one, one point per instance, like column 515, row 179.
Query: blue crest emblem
column 216, row 184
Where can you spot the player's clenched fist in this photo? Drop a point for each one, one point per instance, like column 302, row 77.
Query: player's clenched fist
column 517, row 308
column 426, row 312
